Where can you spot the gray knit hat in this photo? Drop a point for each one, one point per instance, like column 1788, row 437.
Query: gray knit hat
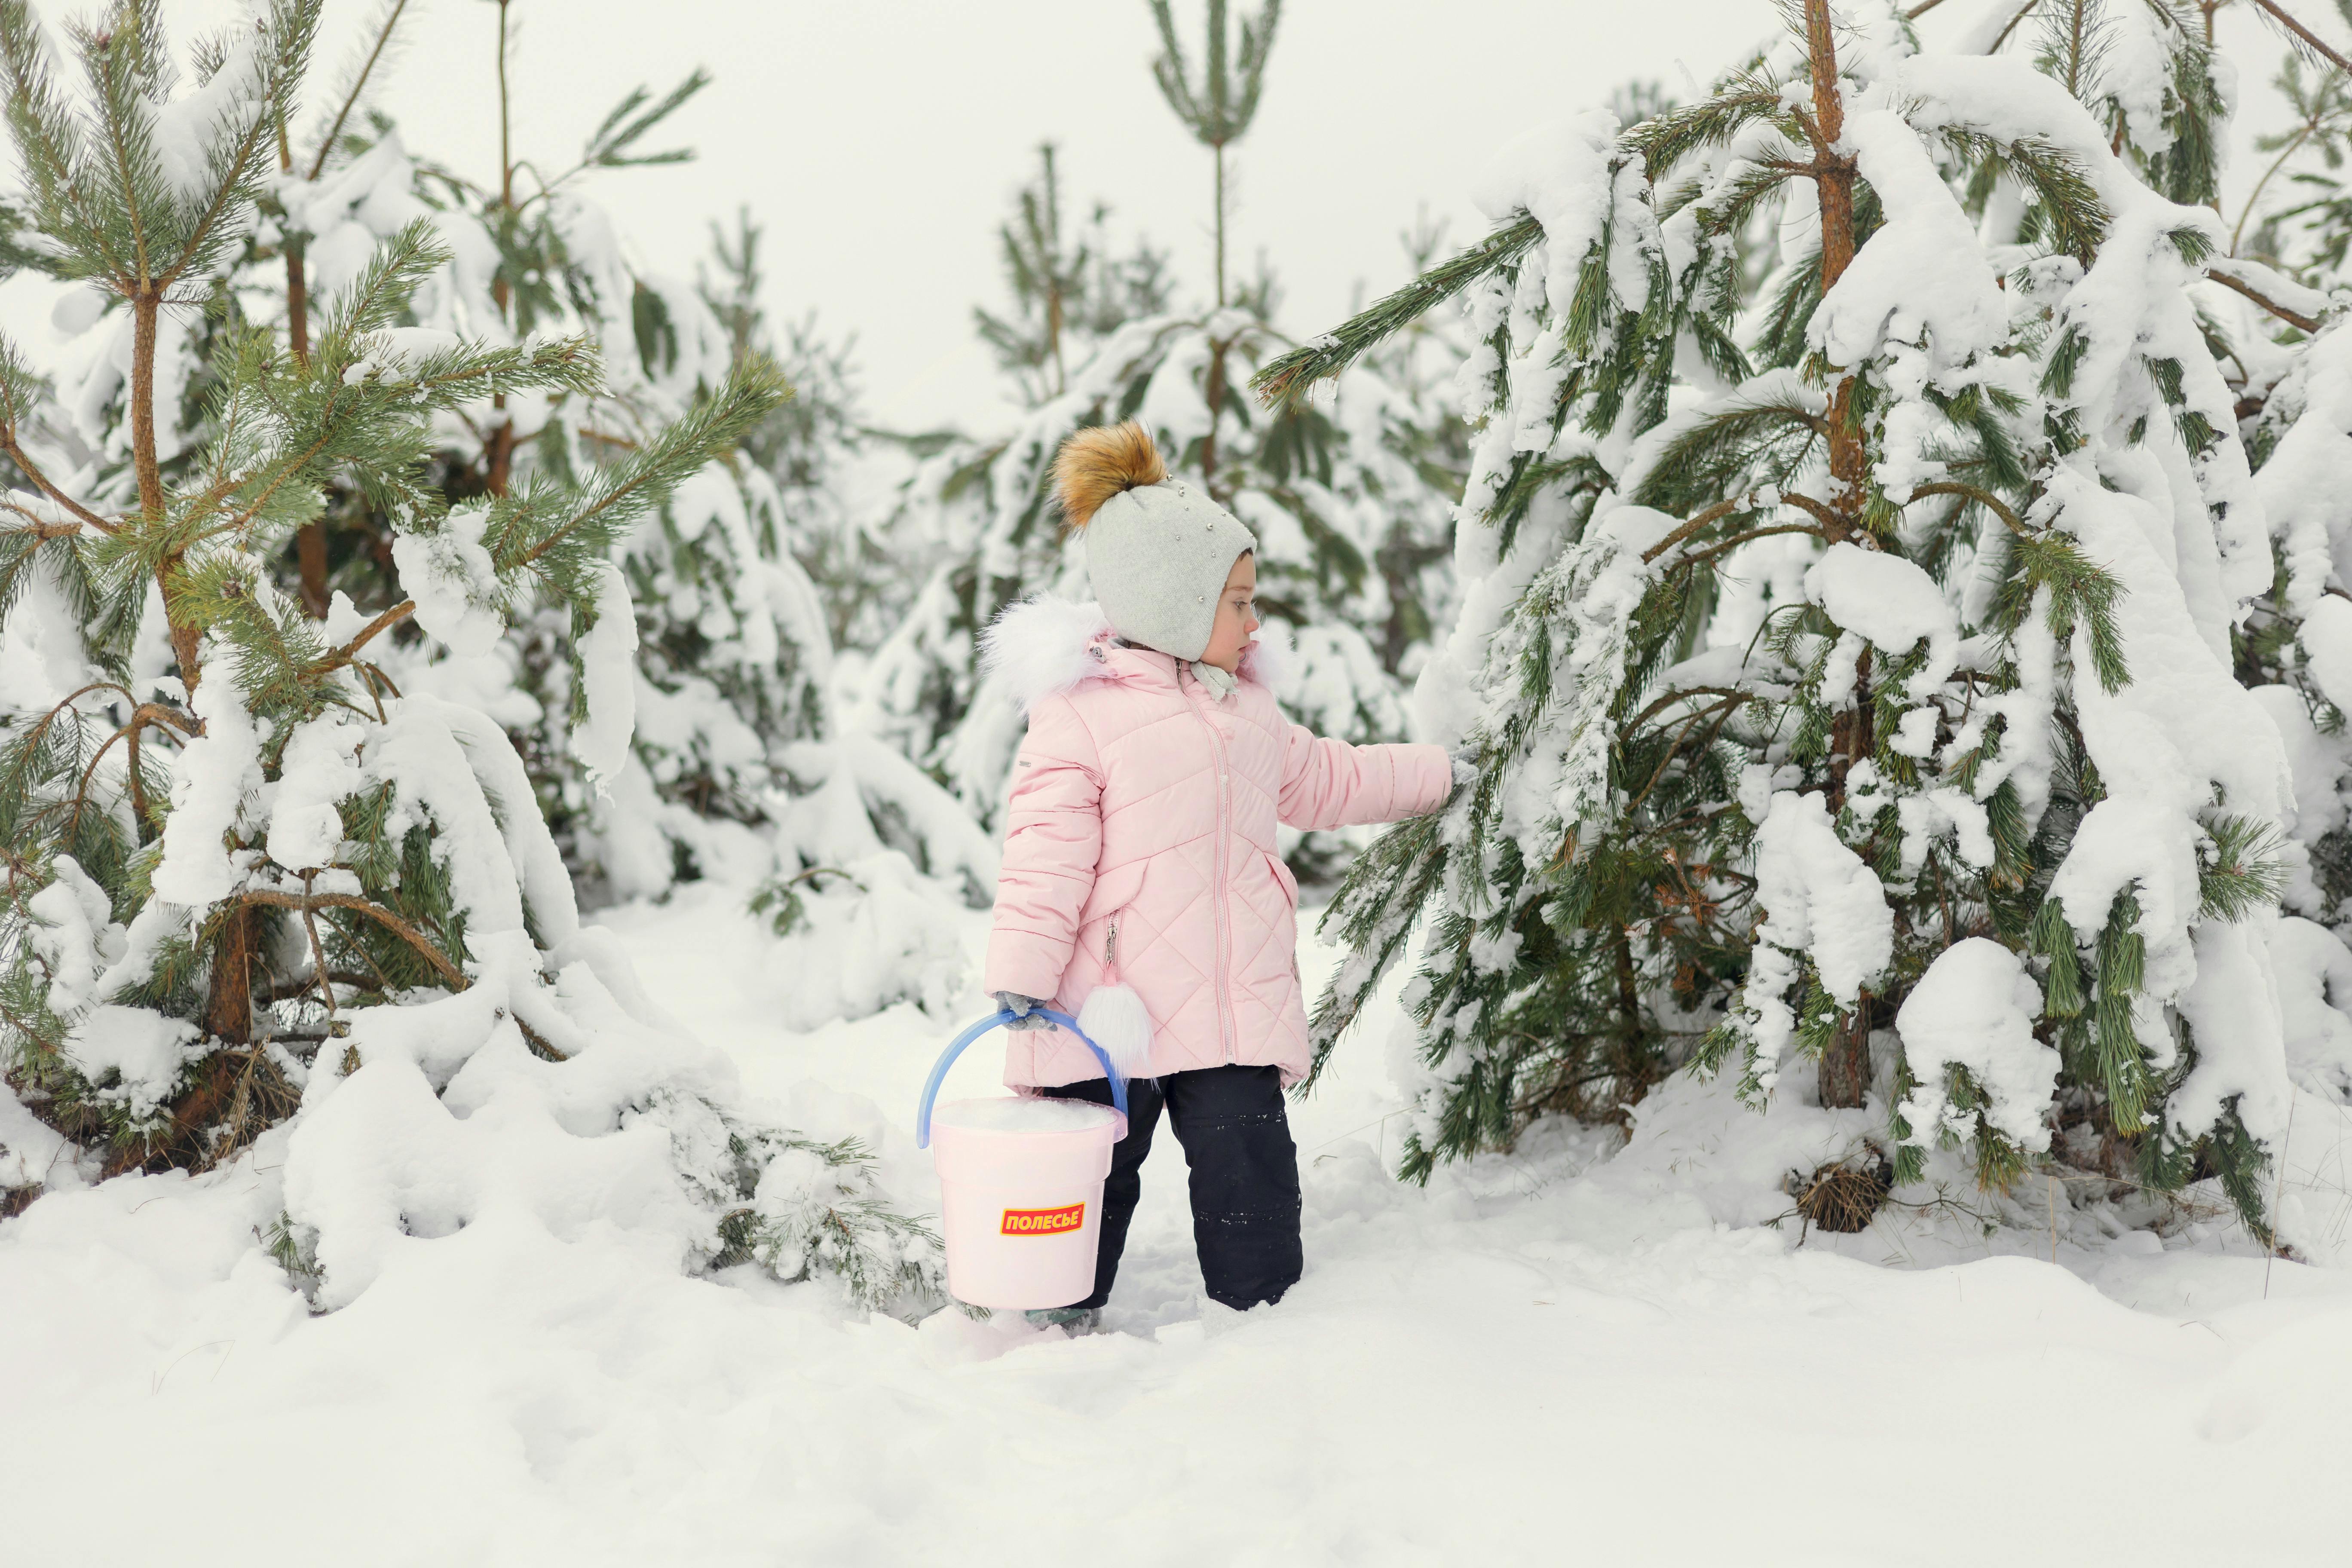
column 1158, row 549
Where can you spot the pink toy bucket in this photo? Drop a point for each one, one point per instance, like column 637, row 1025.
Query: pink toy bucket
column 1020, row 1184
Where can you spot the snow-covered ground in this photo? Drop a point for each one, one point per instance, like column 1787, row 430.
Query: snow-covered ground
column 1564, row 1356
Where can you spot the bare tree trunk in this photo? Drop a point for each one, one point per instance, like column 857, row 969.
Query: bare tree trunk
column 228, row 1006
column 187, row 642
column 310, row 556
column 1219, row 149
column 213, row 1093
column 146, row 311
column 1214, row 395
column 498, row 467
column 1629, row 993
column 1852, row 734
column 298, row 304
column 499, row 470
column 1834, row 175
column 310, row 541
column 1834, row 183
column 139, row 824
column 1053, row 334
column 1843, row 1077
column 228, row 1002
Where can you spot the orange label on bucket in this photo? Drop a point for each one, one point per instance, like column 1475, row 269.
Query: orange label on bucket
column 1043, row 1222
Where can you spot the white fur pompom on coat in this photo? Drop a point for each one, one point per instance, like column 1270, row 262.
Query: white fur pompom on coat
column 1115, row 1019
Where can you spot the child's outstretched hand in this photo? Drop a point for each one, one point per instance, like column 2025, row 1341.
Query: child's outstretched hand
column 1466, row 765
column 1024, row 1010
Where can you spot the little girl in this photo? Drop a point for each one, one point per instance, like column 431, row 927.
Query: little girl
column 1141, row 890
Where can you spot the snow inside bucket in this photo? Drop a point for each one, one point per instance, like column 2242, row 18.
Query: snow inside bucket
column 1013, row 1114
column 1020, row 1184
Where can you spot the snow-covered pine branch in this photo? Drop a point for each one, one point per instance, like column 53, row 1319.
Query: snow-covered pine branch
column 1857, row 638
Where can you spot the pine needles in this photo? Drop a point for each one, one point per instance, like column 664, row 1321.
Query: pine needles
column 1287, row 379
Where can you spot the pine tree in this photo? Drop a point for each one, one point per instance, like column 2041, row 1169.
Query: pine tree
column 733, row 643
column 1067, row 289
column 1217, row 108
column 252, row 877
column 730, row 640
column 2278, row 331
column 521, row 262
column 809, row 448
column 1854, row 635
column 731, row 775
column 854, row 857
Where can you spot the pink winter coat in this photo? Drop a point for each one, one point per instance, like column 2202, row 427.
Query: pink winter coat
column 1140, row 846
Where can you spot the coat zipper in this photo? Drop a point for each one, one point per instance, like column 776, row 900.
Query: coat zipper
column 1217, row 889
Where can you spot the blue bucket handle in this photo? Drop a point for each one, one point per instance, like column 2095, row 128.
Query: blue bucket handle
column 995, row 1020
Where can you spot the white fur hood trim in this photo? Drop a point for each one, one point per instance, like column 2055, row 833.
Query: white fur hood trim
column 1041, row 646
column 1045, row 645
column 1269, row 660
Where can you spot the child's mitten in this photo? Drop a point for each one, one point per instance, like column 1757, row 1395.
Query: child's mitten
column 1024, row 1010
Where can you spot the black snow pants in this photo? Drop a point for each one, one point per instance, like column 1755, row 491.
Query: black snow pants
column 1244, row 1177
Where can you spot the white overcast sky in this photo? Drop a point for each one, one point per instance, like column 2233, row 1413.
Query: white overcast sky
column 881, row 140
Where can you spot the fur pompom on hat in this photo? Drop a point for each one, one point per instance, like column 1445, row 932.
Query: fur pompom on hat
column 1096, row 464
column 1158, row 551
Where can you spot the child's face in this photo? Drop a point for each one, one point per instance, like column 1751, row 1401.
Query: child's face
column 1236, row 616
